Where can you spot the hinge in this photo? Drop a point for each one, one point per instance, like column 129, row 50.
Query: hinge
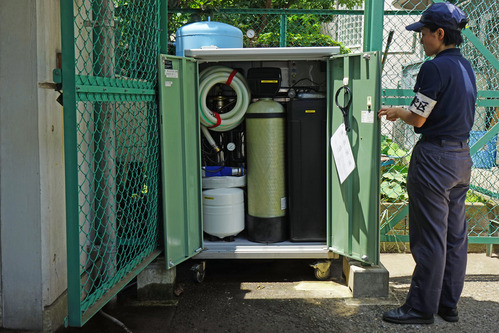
column 57, row 75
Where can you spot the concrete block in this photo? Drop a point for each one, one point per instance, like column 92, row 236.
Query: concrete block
column 55, row 313
column 156, row 283
column 366, row 281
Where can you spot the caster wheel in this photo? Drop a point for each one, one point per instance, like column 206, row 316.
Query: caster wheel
column 322, row 270
column 321, row 275
column 199, row 271
column 199, row 276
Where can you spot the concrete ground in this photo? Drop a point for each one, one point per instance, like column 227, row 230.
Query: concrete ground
column 283, row 296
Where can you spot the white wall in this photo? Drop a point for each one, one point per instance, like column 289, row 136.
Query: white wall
column 51, row 130
column 32, row 199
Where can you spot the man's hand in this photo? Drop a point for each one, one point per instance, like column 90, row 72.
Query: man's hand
column 390, row 113
column 407, row 116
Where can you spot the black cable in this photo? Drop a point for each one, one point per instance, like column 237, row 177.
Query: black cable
column 306, row 78
column 213, row 171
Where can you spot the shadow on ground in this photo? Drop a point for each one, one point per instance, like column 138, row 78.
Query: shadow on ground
column 284, row 296
column 263, row 296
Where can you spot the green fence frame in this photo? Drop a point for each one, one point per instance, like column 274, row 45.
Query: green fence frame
column 111, row 140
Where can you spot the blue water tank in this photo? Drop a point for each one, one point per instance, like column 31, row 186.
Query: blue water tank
column 207, row 33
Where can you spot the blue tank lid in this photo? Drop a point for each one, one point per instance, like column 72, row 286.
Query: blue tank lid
column 209, row 28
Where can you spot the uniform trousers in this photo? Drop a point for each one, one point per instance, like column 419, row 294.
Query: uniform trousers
column 437, row 183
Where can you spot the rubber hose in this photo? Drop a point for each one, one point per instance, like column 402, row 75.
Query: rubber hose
column 220, row 74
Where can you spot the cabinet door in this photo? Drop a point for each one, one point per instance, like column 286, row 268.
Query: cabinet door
column 180, row 158
column 353, row 206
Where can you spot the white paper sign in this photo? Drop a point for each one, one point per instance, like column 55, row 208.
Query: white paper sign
column 367, row 117
column 342, row 153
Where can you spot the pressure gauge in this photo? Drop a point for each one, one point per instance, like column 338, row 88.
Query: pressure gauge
column 231, row 146
column 250, row 33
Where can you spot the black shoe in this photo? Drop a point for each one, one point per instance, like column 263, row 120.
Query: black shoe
column 407, row 315
column 448, row 314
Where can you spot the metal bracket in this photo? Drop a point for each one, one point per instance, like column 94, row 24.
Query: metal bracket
column 57, row 75
column 56, row 85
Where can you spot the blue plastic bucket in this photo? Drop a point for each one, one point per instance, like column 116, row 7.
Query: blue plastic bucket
column 485, row 157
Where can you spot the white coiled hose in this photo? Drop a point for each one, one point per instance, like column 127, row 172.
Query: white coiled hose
column 225, row 121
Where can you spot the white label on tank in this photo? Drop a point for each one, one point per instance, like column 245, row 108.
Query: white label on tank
column 283, row 203
column 168, row 84
column 367, row 117
column 171, row 73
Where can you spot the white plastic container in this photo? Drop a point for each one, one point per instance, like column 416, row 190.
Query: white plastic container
column 223, row 211
column 224, row 182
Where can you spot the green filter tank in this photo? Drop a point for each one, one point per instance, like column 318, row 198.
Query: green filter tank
column 265, row 137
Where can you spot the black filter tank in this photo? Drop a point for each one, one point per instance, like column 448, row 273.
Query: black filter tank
column 306, row 168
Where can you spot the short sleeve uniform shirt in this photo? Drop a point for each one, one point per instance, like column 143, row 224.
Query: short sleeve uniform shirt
column 445, row 95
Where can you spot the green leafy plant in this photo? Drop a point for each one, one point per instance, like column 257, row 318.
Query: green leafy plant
column 394, row 171
column 392, row 150
column 265, row 25
column 272, row 38
column 472, row 196
column 393, row 186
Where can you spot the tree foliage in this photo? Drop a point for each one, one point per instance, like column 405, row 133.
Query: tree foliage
column 277, row 4
column 308, row 31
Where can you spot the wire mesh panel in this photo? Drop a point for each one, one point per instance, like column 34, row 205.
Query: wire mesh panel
column 277, row 27
column 481, row 47
column 404, row 58
column 110, row 50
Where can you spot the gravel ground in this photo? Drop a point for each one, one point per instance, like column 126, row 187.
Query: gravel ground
column 283, row 296
column 274, row 303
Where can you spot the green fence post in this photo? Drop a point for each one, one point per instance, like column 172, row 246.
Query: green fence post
column 163, row 26
column 373, row 25
column 71, row 162
column 284, row 27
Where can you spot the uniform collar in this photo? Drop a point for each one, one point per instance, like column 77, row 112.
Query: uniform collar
column 452, row 51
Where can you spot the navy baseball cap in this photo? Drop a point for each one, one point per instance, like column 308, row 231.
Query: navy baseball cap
column 441, row 14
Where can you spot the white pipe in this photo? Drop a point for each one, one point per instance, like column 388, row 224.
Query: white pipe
column 116, row 321
column 208, row 137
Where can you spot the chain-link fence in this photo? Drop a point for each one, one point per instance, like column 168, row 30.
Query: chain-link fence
column 112, row 146
column 404, row 56
column 274, row 28
column 404, row 59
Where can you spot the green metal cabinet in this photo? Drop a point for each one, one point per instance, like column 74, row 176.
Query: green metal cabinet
column 352, row 206
column 180, row 158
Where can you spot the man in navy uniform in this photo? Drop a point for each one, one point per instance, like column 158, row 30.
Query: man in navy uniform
column 443, row 112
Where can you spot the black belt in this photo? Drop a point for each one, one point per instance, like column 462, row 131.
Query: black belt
column 444, row 142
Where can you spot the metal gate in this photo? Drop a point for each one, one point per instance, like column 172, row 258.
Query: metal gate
column 111, row 138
